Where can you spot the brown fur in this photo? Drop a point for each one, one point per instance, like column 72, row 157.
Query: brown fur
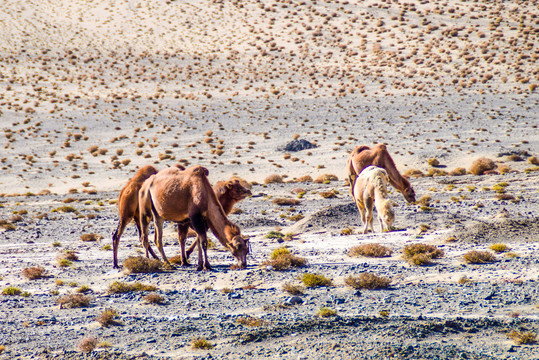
column 377, row 155
column 187, row 198
column 128, row 207
column 370, row 189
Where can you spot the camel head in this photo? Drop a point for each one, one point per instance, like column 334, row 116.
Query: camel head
column 409, row 194
column 238, row 245
column 237, row 191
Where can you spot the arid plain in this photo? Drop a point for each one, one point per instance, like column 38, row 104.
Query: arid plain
column 93, row 90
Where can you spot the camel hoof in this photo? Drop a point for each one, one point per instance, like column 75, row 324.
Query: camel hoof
column 169, row 267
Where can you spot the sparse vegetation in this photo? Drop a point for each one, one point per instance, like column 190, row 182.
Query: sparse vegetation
column 479, row 257
column 522, row 337
column 285, row 201
column 87, row 344
column 315, row 280
column 370, row 250
column 71, row 301
column 481, row 165
column 293, row 289
column 273, row 234
column 91, row 237
column 367, row 280
column 326, row 312
column 250, row 321
column 108, row 317
column 283, row 259
column 274, row 179
column 11, row 291
column 33, row 273
column 154, row 298
column 121, row 288
column 421, row 254
column 202, row 344
column 140, row 264
column 499, row 248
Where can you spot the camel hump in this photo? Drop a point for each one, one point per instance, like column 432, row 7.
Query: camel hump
column 360, row 148
column 200, row 170
column 382, row 147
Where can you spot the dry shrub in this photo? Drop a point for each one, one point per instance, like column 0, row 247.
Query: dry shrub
column 293, row 289
column 285, row 201
column 421, row 254
column 502, row 197
column 413, row 173
column 70, row 255
column 424, row 200
column 367, row 281
column 370, row 250
column 304, row 179
column 435, row 172
column 121, row 288
column 107, row 317
column 201, row 343
column 504, row 169
column 33, row 273
column 87, row 344
column 533, row 160
column 283, row 259
column 71, row 301
column 11, row 291
column 499, row 248
column 326, row 312
column 328, row 194
column 481, row 165
column 326, row 178
column 250, row 321
column 457, row 172
column 522, row 337
column 479, row 257
column 347, row 231
column 273, row 179
column 315, row 280
column 91, row 237
column 140, row 264
column 433, row 162
column 154, row 298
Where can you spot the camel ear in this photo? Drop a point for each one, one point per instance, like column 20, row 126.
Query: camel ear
column 229, row 185
column 245, row 237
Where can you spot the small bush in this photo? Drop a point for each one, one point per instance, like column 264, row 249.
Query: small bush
column 64, row 262
column 464, row 280
column 326, row 312
column 91, row 237
column 293, row 289
column 87, row 344
column 107, row 317
column 424, row 200
column 370, row 250
column 273, row 234
column 122, row 288
column 70, row 255
column 533, row 160
column 367, row 281
column 328, row 194
column 154, row 298
column 273, row 179
column 421, row 254
column 347, row 231
column 140, row 264
column 307, row 179
column 499, row 248
column 282, row 259
column 250, row 321
column 11, row 291
column 285, row 201
column 522, row 337
column 33, row 273
column 201, row 343
column 83, row 289
column 457, row 172
column 420, row 259
column 74, row 301
column 326, row 179
column 315, row 280
column 481, row 165
column 413, row 173
column 433, row 162
column 479, row 257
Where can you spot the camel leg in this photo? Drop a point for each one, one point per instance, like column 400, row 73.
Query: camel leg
column 192, row 247
column 158, row 224
column 199, row 224
column 368, row 209
column 144, row 224
column 147, row 247
column 116, row 242
column 182, row 235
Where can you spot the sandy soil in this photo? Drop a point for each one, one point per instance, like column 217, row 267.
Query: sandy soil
column 91, row 91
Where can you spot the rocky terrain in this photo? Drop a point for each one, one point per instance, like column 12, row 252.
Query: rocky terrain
column 91, row 91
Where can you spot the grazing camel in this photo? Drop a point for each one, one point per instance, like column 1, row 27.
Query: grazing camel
column 377, row 155
column 187, row 198
column 128, row 207
column 370, row 188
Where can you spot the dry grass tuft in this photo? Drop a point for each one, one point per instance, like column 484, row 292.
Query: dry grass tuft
column 33, row 273
column 370, row 250
column 74, row 301
column 326, row 179
column 107, row 318
column 11, row 291
column 481, row 165
column 421, row 254
column 283, row 259
column 522, row 337
column 315, row 280
column 413, row 173
column 140, row 264
column 121, row 288
column 533, row 160
column 293, row 289
column 154, row 298
column 250, row 321
column 87, row 344
column 328, row 194
column 91, row 237
column 201, row 343
column 274, row 179
column 304, row 179
column 499, row 248
column 479, row 257
column 326, row 312
column 285, row 201
column 367, row 281
column 457, row 172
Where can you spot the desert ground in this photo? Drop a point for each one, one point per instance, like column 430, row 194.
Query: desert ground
column 93, row 90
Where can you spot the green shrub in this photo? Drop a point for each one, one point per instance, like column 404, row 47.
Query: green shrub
column 315, row 280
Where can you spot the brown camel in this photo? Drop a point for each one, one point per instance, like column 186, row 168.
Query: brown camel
column 187, row 198
column 370, row 189
column 128, row 207
column 377, row 155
